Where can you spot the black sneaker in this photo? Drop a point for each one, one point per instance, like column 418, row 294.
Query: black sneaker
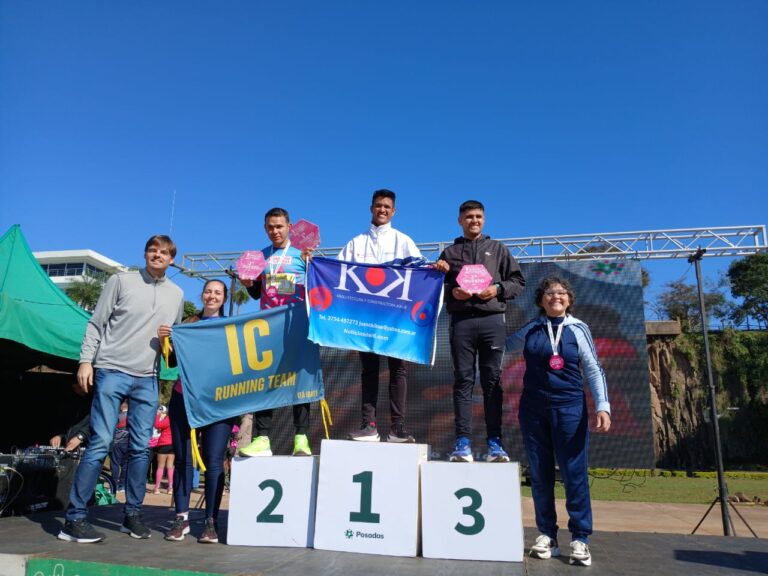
column 398, row 433
column 367, row 433
column 179, row 528
column 80, row 531
column 133, row 525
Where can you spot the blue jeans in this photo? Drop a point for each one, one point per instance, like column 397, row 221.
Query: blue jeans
column 111, row 388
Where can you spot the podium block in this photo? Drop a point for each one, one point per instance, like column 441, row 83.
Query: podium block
column 471, row 511
column 368, row 497
column 272, row 501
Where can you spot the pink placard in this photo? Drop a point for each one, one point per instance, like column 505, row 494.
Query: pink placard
column 304, row 234
column 251, row 264
column 474, row 278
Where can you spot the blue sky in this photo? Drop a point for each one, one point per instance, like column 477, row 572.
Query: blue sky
column 562, row 117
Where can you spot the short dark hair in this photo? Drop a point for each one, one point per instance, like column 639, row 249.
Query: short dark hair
column 383, row 193
column 277, row 213
column 551, row 281
column 471, row 205
column 161, row 240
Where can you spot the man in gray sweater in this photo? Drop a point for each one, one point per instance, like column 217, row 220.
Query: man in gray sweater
column 123, row 340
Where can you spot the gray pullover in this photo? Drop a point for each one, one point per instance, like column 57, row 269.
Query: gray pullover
column 122, row 333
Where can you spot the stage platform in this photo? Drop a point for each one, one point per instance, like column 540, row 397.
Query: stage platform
column 29, row 547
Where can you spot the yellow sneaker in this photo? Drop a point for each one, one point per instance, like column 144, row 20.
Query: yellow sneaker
column 260, row 446
column 301, row 445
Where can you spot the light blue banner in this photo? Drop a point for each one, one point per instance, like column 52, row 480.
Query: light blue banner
column 389, row 310
column 233, row 366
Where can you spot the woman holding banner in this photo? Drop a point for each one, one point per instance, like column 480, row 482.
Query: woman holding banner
column 215, row 440
column 553, row 415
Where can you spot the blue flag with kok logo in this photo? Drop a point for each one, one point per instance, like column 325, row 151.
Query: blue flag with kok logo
column 233, row 366
column 389, row 310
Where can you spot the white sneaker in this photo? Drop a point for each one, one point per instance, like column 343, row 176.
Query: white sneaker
column 580, row 554
column 545, row 548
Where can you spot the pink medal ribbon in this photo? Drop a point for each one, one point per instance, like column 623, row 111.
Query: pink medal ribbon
column 556, row 361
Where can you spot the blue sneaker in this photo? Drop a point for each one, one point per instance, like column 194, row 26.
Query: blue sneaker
column 462, row 451
column 496, row 452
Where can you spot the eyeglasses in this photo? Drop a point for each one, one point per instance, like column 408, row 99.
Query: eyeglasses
column 552, row 293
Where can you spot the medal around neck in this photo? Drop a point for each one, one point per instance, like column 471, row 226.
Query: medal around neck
column 304, row 234
column 474, row 278
column 251, row 264
column 556, row 362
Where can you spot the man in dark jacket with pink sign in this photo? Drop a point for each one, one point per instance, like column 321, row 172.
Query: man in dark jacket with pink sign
column 476, row 302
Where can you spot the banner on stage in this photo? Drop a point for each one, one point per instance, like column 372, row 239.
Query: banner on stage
column 233, row 366
column 389, row 310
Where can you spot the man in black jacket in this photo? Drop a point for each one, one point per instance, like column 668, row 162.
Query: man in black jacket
column 477, row 329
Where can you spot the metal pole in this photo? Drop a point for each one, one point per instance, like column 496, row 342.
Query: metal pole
column 232, row 286
column 721, row 486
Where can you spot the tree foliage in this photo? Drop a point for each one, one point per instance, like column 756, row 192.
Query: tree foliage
column 240, row 297
column 85, row 292
column 749, row 281
column 190, row 309
column 680, row 302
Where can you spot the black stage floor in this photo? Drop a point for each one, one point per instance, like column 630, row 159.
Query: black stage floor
column 621, row 553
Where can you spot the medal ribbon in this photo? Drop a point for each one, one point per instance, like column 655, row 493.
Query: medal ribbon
column 554, row 340
column 273, row 268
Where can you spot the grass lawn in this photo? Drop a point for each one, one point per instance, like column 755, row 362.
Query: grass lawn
column 641, row 486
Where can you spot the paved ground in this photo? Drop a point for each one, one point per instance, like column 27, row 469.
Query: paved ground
column 28, row 545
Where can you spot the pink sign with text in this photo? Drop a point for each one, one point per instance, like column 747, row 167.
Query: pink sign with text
column 251, row 264
column 474, row 278
column 304, row 234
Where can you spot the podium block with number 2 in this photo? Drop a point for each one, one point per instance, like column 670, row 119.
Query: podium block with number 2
column 272, row 501
column 368, row 497
column 471, row 511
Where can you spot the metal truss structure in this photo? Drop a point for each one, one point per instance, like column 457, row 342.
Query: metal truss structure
column 724, row 241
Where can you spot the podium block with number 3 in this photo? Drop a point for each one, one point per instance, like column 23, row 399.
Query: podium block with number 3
column 368, row 497
column 471, row 511
column 272, row 501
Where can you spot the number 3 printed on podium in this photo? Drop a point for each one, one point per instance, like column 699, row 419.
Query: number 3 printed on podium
column 470, row 510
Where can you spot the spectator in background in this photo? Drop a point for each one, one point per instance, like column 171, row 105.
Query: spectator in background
column 163, row 449
column 74, row 438
column 119, row 450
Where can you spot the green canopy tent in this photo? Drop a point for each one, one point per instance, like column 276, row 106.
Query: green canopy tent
column 39, row 324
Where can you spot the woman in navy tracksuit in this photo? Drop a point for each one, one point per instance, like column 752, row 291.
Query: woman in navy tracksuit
column 553, row 415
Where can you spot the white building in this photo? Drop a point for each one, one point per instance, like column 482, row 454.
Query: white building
column 68, row 266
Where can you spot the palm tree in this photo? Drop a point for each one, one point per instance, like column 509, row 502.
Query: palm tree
column 240, row 297
column 85, row 292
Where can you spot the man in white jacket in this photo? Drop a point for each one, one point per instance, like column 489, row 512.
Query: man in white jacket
column 382, row 244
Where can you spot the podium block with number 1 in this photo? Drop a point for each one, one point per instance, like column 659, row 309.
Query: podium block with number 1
column 368, row 497
column 471, row 511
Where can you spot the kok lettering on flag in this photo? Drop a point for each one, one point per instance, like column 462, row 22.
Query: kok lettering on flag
column 389, row 310
column 233, row 366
